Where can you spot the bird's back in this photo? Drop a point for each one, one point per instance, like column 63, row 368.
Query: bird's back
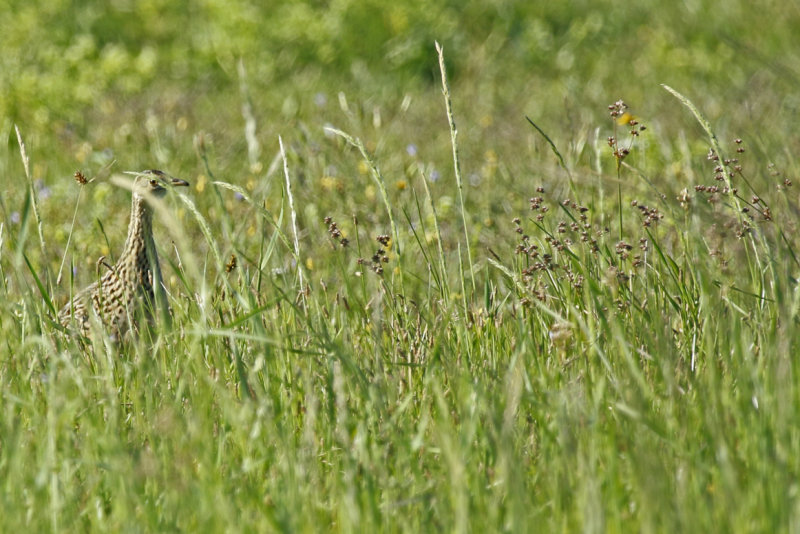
column 123, row 293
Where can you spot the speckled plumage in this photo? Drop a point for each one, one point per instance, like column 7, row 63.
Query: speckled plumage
column 125, row 292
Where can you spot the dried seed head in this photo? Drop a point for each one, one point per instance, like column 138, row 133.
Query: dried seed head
column 231, row 265
column 683, row 197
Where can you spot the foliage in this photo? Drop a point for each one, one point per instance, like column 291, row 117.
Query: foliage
column 592, row 327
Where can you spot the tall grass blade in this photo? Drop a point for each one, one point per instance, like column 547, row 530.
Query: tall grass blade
column 293, row 213
column 456, row 162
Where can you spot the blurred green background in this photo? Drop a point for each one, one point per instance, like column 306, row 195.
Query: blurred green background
column 86, row 70
column 649, row 415
column 141, row 83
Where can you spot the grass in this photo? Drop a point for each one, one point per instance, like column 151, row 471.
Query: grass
column 382, row 322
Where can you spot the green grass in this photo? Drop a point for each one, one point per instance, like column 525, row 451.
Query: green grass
column 524, row 332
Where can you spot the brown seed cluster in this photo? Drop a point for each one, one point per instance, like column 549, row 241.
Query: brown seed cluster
column 732, row 169
column 542, row 258
column 774, row 172
column 731, row 163
column 335, row 233
column 617, row 109
column 551, row 252
column 80, row 178
column 376, row 261
column 744, row 229
column 638, row 261
column 714, row 191
column 650, row 216
column 622, row 117
column 380, row 257
column 536, row 205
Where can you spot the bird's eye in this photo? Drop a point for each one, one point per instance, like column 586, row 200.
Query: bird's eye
column 154, row 183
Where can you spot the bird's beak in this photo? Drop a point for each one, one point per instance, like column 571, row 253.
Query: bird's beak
column 177, row 182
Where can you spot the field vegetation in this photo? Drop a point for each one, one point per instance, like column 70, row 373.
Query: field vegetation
column 443, row 266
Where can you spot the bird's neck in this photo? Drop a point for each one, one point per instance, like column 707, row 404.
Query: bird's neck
column 140, row 230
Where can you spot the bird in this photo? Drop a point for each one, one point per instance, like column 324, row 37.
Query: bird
column 126, row 291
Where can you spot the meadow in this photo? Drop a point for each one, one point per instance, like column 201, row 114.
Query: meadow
column 467, row 266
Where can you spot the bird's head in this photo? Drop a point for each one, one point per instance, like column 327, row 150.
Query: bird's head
column 154, row 182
